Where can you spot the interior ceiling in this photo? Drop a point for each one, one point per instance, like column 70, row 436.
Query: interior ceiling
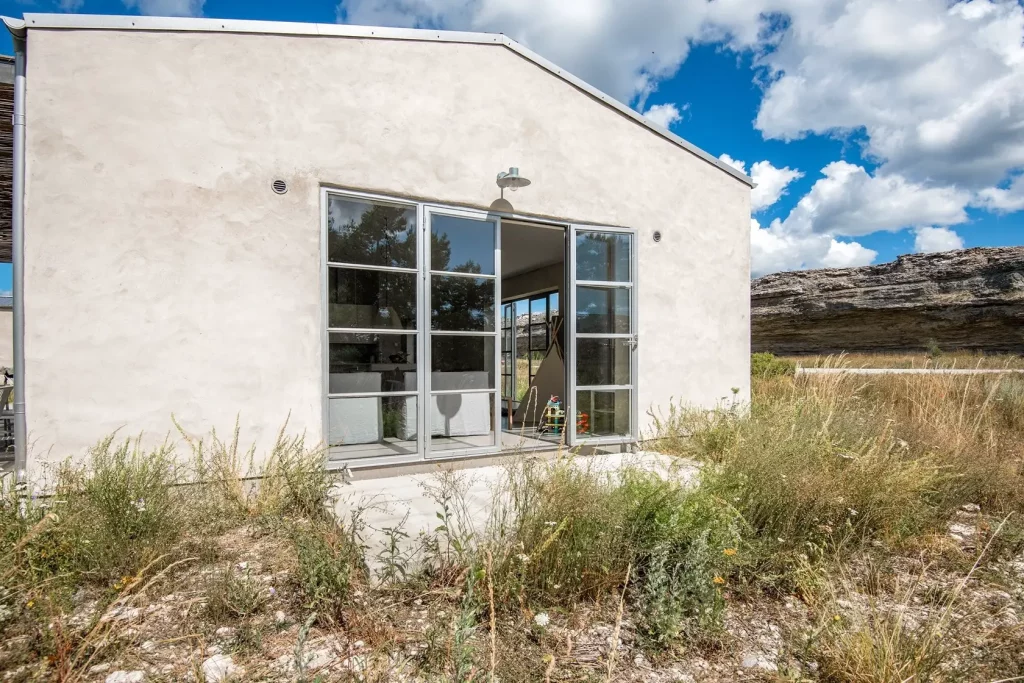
column 526, row 247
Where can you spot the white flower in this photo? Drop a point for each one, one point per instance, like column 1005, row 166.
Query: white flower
column 542, row 619
column 243, row 565
column 524, row 558
column 852, row 512
column 550, row 523
column 140, row 505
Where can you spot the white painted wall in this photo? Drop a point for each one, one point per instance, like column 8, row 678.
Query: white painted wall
column 163, row 276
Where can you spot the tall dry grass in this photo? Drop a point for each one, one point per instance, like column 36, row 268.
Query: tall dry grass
column 823, row 463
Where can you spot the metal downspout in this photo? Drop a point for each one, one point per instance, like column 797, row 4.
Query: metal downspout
column 17, row 29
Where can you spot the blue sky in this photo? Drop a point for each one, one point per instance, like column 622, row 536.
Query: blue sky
column 874, row 127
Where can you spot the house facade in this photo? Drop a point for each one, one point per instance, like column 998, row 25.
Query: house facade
column 301, row 223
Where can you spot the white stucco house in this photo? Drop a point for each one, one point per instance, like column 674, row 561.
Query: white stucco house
column 303, row 222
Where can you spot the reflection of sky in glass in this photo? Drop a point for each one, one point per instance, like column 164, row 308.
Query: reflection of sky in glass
column 554, row 303
column 471, row 241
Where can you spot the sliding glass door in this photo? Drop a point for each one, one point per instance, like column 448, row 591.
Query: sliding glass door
column 602, row 332
column 463, row 282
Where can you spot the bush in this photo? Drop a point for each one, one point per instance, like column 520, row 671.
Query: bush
column 766, row 365
column 570, row 533
column 234, row 595
column 330, row 565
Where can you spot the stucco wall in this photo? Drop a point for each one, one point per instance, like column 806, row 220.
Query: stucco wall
column 163, row 276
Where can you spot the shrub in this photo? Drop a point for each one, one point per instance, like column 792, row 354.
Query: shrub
column 330, row 565
column 570, row 533
column 234, row 595
column 766, row 365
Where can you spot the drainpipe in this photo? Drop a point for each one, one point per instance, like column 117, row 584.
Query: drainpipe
column 18, row 33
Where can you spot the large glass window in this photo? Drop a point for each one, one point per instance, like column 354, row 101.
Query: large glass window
column 371, row 315
column 463, row 332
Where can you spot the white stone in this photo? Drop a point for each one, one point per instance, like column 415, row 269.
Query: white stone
column 221, row 668
column 971, row 507
column 753, row 660
column 125, row 677
column 99, row 668
column 280, row 617
column 224, row 632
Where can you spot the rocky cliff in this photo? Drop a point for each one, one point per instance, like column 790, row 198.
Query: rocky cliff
column 964, row 299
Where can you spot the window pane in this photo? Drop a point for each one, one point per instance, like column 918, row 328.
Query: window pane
column 461, row 304
column 602, row 256
column 371, row 299
column 602, row 310
column 554, row 303
column 602, row 413
column 461, row 421
column 372, row 427
column 602, row 362
column 461, row 362
column 370, row 234
column 372, row 362
column 461, row 245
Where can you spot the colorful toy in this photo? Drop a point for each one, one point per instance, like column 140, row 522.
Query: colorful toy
column 553, row 417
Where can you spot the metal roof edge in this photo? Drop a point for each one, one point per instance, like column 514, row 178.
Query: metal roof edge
column 143, row 23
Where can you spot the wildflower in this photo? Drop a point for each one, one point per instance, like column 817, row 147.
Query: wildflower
column 243, row 565
column 140, row 505
column 30, row 603
column 549, row 523
column 729, row 552
column 542, row 619
column 853, row 512
column 718, row 580
column 837, row 618
column 524, row 558
column 273, row 591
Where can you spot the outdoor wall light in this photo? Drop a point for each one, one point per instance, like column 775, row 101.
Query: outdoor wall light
column 511, row 179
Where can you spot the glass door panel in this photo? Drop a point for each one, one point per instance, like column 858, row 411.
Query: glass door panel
column 602, row 326
column 464, row 346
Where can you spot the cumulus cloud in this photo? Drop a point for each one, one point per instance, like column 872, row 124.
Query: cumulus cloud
column 167, row 8
column 929, row 240
column 773, row 249
column 1003, row 200
column 849, row 201
column 665, row 114
column 771, row 181
column 937, row 87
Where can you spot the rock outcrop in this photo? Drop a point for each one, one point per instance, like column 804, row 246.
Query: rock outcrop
column 965, row 299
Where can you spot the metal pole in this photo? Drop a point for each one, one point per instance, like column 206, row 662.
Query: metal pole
column 18, row 260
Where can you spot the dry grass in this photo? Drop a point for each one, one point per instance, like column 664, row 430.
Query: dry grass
column 923, row 359
column 829, row 490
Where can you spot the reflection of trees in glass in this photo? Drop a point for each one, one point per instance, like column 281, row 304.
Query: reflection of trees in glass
column 379, row 236
column 383, row 235
column 458, row 303
column 602, row 257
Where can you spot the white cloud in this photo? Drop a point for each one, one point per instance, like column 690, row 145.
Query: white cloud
column 167, row 8
column 1003, row 200
column 70, row 6
column 929, row 240
column 772, row 249
column 938, row 87
column 771, row 181
column 664, row 114
column 849, row 201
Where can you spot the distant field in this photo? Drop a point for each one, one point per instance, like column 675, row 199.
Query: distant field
column 955, row 359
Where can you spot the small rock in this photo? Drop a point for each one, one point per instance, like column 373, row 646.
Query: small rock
column 973, row 508
column 224, row 632
column 280, row 617
column 99, row 668
column 962, row 532
column 758, row 661
column 148, row 646
column 221, row 668
column 125, row 677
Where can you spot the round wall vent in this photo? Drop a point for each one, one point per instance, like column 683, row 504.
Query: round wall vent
column 657, row 235
column 280, row 186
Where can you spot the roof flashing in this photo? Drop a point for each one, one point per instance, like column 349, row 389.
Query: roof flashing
column 184, row 24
